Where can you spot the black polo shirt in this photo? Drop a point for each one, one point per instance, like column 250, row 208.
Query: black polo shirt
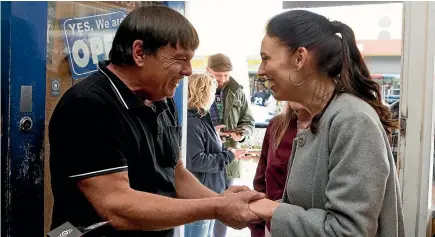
column 100, row 126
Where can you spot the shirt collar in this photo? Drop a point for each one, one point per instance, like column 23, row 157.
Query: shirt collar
column 125, row 96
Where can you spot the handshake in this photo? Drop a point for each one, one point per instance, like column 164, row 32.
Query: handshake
column 239, row 206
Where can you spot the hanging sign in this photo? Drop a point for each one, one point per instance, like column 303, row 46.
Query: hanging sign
column 89, row 40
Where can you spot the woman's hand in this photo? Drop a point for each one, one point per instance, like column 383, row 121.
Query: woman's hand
column 263, row 208
column 238, row 154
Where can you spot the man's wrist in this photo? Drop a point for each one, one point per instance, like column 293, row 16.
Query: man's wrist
column 217, row 206
column 202, row 208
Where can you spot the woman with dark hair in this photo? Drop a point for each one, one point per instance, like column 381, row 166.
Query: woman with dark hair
column 342, row 180
column 271, row 174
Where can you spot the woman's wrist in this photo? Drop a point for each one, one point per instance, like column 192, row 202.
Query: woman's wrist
column 264, row 208
column 231, row 154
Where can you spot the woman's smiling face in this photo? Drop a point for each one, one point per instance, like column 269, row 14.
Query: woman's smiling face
column 280, row 67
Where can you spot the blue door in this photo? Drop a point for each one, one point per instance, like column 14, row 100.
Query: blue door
column 24, row 36
column 36, row 69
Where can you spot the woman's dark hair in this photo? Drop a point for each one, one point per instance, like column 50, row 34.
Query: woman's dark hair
column 338, row 57
column 281, row 123
column 156, row 26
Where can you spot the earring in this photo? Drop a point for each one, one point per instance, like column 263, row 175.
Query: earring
column 290, row 79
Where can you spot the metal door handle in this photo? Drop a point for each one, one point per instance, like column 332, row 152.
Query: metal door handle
column 26, row 124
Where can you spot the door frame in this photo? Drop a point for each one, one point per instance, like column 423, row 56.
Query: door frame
column 416, row 115
column 24, row 31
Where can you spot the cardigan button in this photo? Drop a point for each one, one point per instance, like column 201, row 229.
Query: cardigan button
column 301, row 141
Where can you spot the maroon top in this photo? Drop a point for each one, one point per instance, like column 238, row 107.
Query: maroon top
column 271, row 174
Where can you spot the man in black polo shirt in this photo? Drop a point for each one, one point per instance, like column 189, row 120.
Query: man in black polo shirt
column 114, row 138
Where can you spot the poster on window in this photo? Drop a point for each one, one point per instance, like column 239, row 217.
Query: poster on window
column 89, row 39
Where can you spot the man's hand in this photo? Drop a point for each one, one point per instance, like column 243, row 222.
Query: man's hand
column 235, row 189
column 219, row 128
column 237, row 136
column 233, row 209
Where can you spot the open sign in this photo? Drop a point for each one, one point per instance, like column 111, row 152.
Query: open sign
column 89, row 40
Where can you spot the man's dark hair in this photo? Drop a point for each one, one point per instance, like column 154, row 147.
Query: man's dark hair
column 156, row 26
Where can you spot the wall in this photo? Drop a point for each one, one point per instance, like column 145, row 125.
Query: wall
column 387, row 65
column 370, row 21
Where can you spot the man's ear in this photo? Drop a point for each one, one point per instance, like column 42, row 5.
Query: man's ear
column 138, row 53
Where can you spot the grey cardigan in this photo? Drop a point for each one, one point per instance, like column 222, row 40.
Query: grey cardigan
column 342, row 180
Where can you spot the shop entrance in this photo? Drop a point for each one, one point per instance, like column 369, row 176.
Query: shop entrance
column 47, row 47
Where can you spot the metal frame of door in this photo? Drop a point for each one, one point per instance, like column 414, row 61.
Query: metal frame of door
column 23, row 88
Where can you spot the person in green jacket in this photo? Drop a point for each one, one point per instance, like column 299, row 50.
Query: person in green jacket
column 230, row 115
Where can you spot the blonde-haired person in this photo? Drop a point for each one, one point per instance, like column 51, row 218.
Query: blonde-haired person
column 271, row 174
column 206, row 157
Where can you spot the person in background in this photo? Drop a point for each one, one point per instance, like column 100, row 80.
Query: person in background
column 342, row 180
column 206, row 158
column 260, row 95
column 272, row 167
column 230, row 112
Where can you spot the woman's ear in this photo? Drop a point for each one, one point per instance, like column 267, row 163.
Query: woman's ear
column 300, row 57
